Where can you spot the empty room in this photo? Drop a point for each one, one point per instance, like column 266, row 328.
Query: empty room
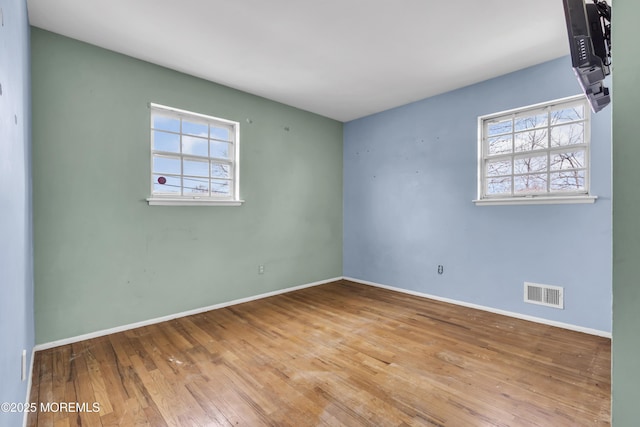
column 360, row 213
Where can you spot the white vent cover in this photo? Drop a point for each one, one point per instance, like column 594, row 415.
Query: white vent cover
column 551, row 296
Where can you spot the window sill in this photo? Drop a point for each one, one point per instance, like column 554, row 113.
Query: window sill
column 196, row 201
column 537, row 200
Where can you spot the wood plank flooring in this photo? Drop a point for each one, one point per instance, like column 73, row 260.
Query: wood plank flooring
column 337, row 354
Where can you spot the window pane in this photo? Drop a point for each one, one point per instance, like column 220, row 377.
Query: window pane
column 500, row 145
column 567, row 114
column 220, row 150
column 220, row 133
column 195, row 146
column 220, row 187
column 166, row 184
column 496, row 128
column 163, row 141
column 530, row 164
column 166, row 165
column 499, row 185
column 567, row 134
column 193, row 128
column 530, row 122
column 500, row 167
column 531, row 140
column 536, row 150
column 568, row 160
column 192, row 155
column 196, row 186
column 219, row 170
column 530, row 183
column 196, row 167
column 166, row 123
column 568, row 181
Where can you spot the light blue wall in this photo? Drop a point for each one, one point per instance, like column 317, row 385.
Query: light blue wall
column 409, row 180
column 16, row 289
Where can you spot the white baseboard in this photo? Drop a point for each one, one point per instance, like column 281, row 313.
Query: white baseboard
column 29, row 382
column 127, row 327
column 103, row 332
column 489, row 309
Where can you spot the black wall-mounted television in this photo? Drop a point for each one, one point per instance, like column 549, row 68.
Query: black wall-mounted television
column 589, row 31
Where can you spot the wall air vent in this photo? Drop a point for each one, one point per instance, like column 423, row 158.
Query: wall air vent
column 551, row 296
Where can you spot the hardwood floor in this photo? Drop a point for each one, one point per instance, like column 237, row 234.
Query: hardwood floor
column 336, row 354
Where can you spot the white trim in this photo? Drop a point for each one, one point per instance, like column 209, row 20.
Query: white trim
column 103, row 332
column 540, row 105
column 158, row 198
column 537, row 200
column 195, row 201
column 484, row 158
column 489, row 309
column 29, row 382
column 185, row 113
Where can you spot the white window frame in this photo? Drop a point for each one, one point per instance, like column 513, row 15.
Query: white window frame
column 233, row 199
column 548, row 197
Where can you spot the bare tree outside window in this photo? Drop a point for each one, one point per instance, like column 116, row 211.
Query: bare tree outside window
column 540, row 150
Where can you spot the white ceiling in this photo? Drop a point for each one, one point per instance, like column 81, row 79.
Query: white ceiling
column 343, row 59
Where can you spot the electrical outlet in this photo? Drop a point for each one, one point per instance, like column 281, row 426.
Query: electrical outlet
column 261, row 269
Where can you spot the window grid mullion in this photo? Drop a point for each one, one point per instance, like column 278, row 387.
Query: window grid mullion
column 570, row 122
column 181, row 160
column 209, row 154
column 547, row 153
column 186, row 186
column 513, row 152
column 548, row 150
column 539, row 152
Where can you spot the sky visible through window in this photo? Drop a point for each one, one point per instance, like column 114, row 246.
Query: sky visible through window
column 536, row 152
column 191, row 157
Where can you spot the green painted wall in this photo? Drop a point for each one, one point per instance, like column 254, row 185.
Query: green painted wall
column 626, row 214
column 105, row 258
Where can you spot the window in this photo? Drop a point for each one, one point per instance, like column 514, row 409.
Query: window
column 194, row 159
column 536, row 154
